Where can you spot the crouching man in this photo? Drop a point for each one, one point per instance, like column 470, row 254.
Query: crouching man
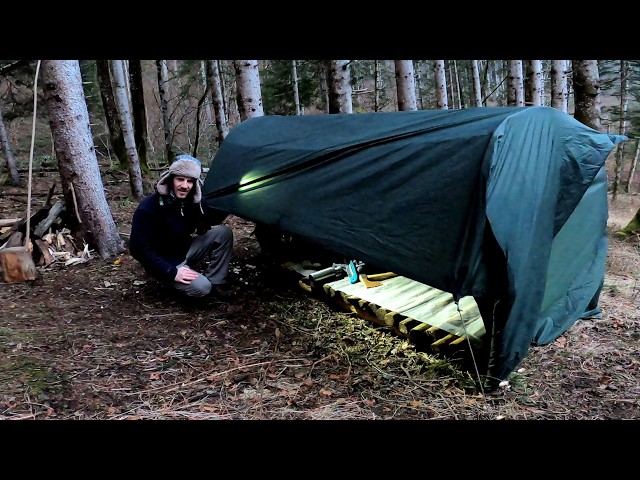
column 173, row 230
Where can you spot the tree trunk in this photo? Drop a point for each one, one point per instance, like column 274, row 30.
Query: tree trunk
column 452, row 92
column 294, row 82
column 207, row 109
column 339, row 83
column 559, row 91
column 477, row 89
column 139, row 112
column 497, row 81
column 419, row 85
column 163, row 84
column 122, row 103
column 515, row 84
column 442, row 102
column 8, row 153
column 248, row 89
column 632, row 228
column 456, row 75
column 586, row 92
column 533, row 86
column 111, row 113
column 376, row 85
column 323, row 74
column 82, row 186
column 213, row 76
column 622, row 126
column 405, row 86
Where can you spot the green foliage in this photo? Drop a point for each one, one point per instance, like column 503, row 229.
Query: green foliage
column 91, row 90
column 16, row 88
column 363, row 73
column 37, row 377
column 45, row 161
column 277, row 86
column 632, row 228
column 126, row 203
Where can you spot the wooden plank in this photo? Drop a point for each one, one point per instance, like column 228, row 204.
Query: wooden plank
column 7, row 222
column 53, row 214
column 406, row 325
column 47, row 259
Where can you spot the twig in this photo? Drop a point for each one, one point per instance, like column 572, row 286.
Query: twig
column 201, row 379
column 455, row 415
column 75, row 203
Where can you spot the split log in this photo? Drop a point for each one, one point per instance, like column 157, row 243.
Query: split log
column 15, row 240
column 53, row 214
column 16, row 261
column 46, row 259
column 36, row 218
column 7, row 222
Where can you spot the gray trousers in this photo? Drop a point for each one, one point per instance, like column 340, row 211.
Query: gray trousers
column 216, row 245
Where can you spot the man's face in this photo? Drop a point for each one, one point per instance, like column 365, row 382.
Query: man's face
column 182, row 186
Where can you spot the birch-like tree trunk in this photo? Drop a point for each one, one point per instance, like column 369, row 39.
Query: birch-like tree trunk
column 294, row 83
column 559, row 88
column 339, row 83
column 5, row 146
column 121, row 96
column 163, row 85
column 451, row 84
column 515, row 84
column 442, row 102
column 622, row 126
column 139, row 112
column 405, row 85
column 456, row 75
column 323, row 74
column 207, row 107
column 111, row 113
column 533, row 86
column 586, row 92
column 223, row 65
column 249, row 93
column 497, row 81
column 90, row 217
column 418, row 67
column 477, row 88
column 217, row 99
column 377, row 85
column 179, row 107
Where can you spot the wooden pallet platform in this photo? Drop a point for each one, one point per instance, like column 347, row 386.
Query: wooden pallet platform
column 425, row 315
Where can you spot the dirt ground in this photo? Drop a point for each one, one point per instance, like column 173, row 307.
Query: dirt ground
column 99, row 340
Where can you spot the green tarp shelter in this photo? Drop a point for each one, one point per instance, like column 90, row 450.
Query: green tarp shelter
column 506, row 204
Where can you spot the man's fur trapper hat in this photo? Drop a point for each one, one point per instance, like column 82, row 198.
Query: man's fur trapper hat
column 183, row 166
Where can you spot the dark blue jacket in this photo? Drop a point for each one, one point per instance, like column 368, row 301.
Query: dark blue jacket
column 161, row 232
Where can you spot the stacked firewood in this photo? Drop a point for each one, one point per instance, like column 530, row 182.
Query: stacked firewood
column 51, row 242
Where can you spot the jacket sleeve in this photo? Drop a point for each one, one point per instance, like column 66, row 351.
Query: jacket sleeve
column 141, row 246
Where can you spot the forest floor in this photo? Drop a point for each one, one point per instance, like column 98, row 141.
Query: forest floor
column 99, row 340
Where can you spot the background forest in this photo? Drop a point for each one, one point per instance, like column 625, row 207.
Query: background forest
column 189, row 105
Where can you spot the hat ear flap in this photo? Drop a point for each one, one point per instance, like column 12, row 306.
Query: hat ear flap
column 163, row 186
column 197, row 191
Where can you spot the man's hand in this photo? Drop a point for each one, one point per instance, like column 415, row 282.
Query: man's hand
column 185, row 275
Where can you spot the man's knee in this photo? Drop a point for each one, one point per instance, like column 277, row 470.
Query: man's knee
column 222, row 234
column 199, row 287
column 226, row 233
